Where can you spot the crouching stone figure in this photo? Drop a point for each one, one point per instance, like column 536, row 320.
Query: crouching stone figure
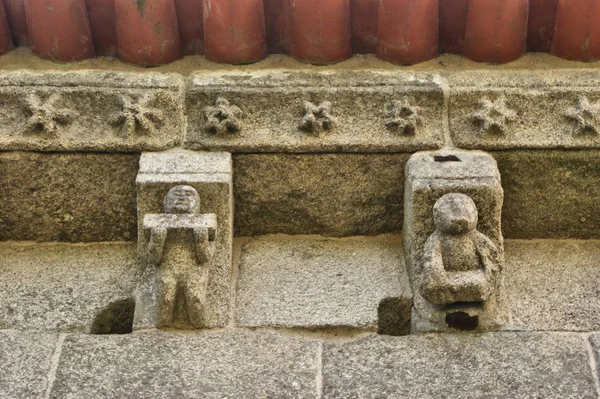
column 460, row 264
column 180, row 246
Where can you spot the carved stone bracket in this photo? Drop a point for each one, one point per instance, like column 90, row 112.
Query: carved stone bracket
column 493, row 117
column 317, row 119
column 44, row 116
column 185, row 233
column 223, row 118
column 585, row 116
column 137, row 116
column 401, row 116
column 455, row 254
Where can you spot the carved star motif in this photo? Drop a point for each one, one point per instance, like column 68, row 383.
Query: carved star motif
column 136, row 115
column 44, row 116
column 317, row 118
column 493, row 116
column 403, row 117
column 585, row 115
column 223, row 118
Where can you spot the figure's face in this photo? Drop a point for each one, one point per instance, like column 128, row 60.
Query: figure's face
column 455, row 214
column 182, row 199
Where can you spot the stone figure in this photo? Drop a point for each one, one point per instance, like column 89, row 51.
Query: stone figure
column 460, row 264
column 181, row 245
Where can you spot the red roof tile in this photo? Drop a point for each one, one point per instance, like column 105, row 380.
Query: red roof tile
column 154, row 32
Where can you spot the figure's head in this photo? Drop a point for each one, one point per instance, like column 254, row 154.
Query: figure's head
column 455, row 214
column 182, row 199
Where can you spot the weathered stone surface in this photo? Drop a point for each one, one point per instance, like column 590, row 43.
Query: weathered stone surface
column 172, row 365
column 25, row 361
column 210, row 174
column 273, row 111
column 452, row 240
column 315, row 282
column 550, row 194
column 525, row 109
column 553, row 284
column 179, row 251
column 327, row 194
column 63, row 287
column 595, row 342
column 57, row 111
column 493, row 365
column 67, row 197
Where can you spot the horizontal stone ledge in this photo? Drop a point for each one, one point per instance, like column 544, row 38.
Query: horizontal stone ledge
column 525, row 110
column 266, row 111
column 90, row 111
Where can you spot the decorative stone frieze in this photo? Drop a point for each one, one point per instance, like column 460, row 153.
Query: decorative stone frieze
column 90, row 111
column 223, row 118
column 286, row 111
column 585, row 116
column 453, row 243
column 524, row 109
column 185, row 234
column 493, row 117
column 136, row 116
column 403, row 117
column 317, row 118
column 44, row 116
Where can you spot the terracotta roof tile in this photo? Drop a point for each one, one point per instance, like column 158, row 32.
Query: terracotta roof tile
column 155, row 32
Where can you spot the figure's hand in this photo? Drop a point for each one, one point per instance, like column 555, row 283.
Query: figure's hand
column 158, row 237
column 205, row 249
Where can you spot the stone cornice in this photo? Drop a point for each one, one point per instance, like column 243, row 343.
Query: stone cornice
column 267, row 111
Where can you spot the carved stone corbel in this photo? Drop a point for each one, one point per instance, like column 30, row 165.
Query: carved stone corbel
column 453, row 243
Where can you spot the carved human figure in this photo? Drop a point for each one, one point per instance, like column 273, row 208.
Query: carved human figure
column 181, row 245
column 459, row 264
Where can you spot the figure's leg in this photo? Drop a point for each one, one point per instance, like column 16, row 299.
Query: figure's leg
column 195, row 293
column 167, row 294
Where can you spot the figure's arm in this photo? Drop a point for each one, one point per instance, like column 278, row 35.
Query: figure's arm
column 433, row 275
column 156, row 245
column 205, row 244
column 488, row 254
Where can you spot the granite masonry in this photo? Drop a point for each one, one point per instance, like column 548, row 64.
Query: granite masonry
column 281, row 233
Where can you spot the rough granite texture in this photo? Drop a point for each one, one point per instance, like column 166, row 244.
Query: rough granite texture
column 364, row 106
column 327, row 194
column 183, row 365
column 317, row 282
column 499, row 365
column 106, row 111
column 211, row 175
column 550, row 193
column 429, row 177
column 62, row 286
column 530, row 110
column 67, row 197
column 553, row 284
column 25, row 361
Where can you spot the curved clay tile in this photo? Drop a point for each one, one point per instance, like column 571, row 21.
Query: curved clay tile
column 407, row 30
column 101, row 15
column 320, row 31
column 234, row 31
column 59, row 29
column 191, row 25
column 15, row 11
column 5, row 36
column 147, row 32
column 496, row 30
column 540, row 29
column 277, row 21
column 453, row 21
column 577, row 30
column 364, row 25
